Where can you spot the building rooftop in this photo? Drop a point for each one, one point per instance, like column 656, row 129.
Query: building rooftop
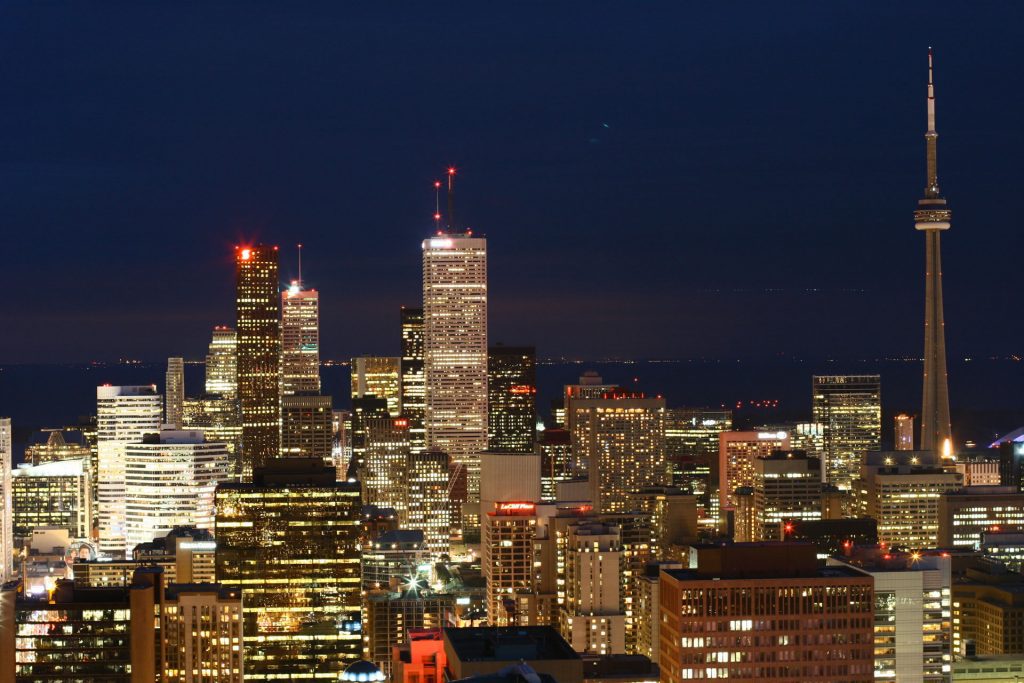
column 174, row 590
column 403, row 538
column 765, row 560
column 58, row 468
column 508, row 643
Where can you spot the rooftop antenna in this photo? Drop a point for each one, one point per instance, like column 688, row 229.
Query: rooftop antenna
column 437, row 206
column 451, row 198
column 300, row 265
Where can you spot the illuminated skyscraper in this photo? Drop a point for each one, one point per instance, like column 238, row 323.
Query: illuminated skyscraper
column 220, row 421
column 222, row 363
column 594, row 618
column 737, row 452
column 511, row 398
column 933, row 217
column 427, row 504
column 619, row 441
column 507, row 561
column 51, row 445
column 413, row 379
column 6, row 503
column 691, row 444
column 124, row 415
column 786, row 489
column 307, row 426
column 384, row 475
column 170, row 478
column 300, row 340
column 364, row 409
column 455, row 349
column 290, row 540
column 904, row 430
column 379, row 376
column 54, row 494
column 259, row 354
column 556, row 463
column 850, row 409
column 174, row 395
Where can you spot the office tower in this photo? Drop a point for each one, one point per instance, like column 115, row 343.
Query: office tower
column 123, row 416
column 6, row 505
column 902, row 491
column 1004, row 546
column 341, row 447
column 220, row 420
column 174, row 394
column 988, row 609
column 364, row 409
column 808, row 437
column 619, row 441
column 170, row 479
column 648, row 609
column 386, row 464
column 556, row 463
column 185, row 554
column 201, row 634
column 142, row 633
column 258, row 310
column 511, row 398
column 673, row 518
column 594, row 618
column 222, row 363
column 290, row 539
column 978, row 469
column 481, row 652
column 786, row 491
column 850, row 409
column 51, row 445
column 300, row 340
column 904, row 432
column 53, row 494
column 508, row 476
column 413, row 391
column 394, row 558
column 590, row 385
column 913, row 628
column 379, row 376
column 388, row 615
column 779, row 609
column 507, row 550
column 932, row 217
column 965, row 514
column 307, row 426
column 737, row 452
column 691, row 444
column 455, row 350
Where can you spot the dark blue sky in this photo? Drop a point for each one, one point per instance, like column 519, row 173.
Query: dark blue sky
column 654, row 179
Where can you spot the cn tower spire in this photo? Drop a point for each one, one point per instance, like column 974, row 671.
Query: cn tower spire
column 933, row 218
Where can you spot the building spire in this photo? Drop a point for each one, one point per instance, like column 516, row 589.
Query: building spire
column 451, row 198
column 931, row 138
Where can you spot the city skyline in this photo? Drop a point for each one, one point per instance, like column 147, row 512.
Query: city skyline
column 555, row 218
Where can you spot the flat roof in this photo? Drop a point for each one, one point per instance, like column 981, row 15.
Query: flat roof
column 508, row 643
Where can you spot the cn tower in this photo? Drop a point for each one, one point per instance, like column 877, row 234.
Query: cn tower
column 933, row 217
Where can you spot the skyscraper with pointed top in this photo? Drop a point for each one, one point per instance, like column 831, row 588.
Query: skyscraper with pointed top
column 933, row 217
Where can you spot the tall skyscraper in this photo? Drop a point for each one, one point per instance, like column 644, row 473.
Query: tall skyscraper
column 174, row 394
column 124, row 415
column 691, row 444
column 6, row 501
column 786, row 489
column 594, row 617
column 384, row 475
column 619, row 441
column 904, row 432
column 849, row 407
column 258, row 307
column 427, row 503
column 932, row 217
column 737, row 452
column 511, row 398
column 307, row 426
column 222, row 363
column 170, row 479
column 300, row 340
column 290, row 540
column 55, row 494
column 413, row 380
column 455, row 348
column 379, row 376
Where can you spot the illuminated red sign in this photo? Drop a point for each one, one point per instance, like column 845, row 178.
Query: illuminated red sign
column 523, row 389
column 401, row 423
column 516, row 508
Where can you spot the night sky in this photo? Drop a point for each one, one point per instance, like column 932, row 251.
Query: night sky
column 655, row 180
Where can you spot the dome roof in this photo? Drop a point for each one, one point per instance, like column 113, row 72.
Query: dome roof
column 362, row 671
